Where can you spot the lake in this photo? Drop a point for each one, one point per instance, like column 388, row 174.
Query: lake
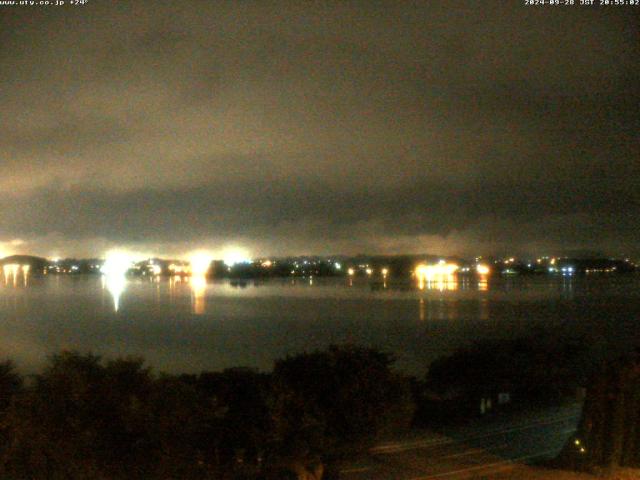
column 189, row 326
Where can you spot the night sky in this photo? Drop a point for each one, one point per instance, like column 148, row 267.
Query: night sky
column 319, row 127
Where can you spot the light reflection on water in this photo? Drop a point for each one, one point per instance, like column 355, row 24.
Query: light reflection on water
column 13, row 272
column 198, row 291
column 115, row 285
column 254, row 322
column 441, row 283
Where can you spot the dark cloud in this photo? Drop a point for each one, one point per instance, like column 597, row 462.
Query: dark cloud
column 346, row 126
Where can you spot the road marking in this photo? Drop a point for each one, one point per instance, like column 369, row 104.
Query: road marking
column 490, row 450
column 485, row 466
column 473, row 451
column 436, row 442
column 400, row 447
column 355, row 470
column 487, row 433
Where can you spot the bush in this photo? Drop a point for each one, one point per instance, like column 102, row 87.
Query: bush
column 348, row 394
column 536, row 368
column 84, row 418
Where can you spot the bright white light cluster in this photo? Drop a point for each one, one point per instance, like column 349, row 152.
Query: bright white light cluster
column 440, row 269
column 482, row 269
column 200, row 264
column 116, row 264
column 233, row 256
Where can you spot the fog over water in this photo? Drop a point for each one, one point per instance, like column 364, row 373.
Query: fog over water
column 191, row 326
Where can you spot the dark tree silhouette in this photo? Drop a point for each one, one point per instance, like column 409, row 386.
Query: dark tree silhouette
column 351, row 391
column 84, row 418
column 608, row 435
column 537, row 367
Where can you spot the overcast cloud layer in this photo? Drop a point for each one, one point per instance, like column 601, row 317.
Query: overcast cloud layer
column 318, row 127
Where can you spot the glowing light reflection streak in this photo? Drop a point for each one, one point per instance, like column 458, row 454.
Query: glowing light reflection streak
column 198, row 289
column 11, row 271
column 115, row 270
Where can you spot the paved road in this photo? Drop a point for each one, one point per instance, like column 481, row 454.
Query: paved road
column 485, row 446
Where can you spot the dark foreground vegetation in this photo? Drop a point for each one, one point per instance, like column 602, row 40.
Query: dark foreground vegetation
column 86, row 418
column 83, row 417
column 505, row 374
column 608, row 435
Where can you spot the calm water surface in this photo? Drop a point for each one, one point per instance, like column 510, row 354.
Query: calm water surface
column 192, row 326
